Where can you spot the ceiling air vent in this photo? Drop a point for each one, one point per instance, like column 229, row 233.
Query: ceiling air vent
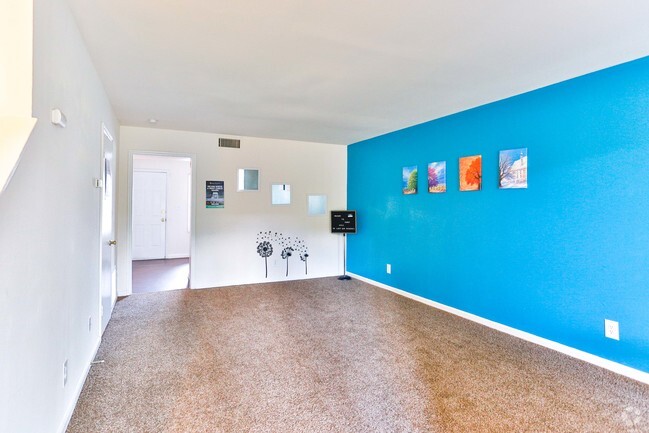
column 229, row 142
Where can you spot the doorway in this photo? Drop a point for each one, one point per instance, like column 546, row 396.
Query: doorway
column 161, row 219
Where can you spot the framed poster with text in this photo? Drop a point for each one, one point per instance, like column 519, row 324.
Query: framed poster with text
column 214, row 194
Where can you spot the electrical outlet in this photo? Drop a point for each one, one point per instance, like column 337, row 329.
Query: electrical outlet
column 388, row 268
column 65, row 373
column 611, row 329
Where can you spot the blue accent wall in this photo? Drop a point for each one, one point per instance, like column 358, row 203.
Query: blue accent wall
column 555, row 259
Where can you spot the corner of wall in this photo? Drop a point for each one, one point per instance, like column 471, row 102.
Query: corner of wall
column 14, row 134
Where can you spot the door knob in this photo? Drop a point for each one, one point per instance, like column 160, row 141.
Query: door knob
column 112, row 243
column 162, row 219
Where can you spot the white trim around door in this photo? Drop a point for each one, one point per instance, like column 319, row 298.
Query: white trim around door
column 128, row 289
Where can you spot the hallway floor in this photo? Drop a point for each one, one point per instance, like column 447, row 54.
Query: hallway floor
column 160, row 275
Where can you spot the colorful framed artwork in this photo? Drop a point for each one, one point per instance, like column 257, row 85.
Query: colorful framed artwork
column 410, row 180
column 437, row 177
column 512, row 169
column 471, row 173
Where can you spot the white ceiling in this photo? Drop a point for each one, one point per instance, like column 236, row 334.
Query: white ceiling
column 339, row 71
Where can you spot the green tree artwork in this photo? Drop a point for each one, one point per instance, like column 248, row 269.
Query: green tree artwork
column 410, row 180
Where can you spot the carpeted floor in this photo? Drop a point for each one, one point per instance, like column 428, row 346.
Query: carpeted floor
column 329, row 356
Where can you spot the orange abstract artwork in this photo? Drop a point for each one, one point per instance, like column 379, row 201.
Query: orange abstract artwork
column 471, row 173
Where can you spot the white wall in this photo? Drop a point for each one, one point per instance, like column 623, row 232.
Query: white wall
column 16, row 122
column 49, row 227
column 224, row 252
column 177, row 229
column 16, row 58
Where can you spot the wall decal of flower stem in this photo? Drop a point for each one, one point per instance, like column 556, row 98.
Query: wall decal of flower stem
column 264, row 247
column 304, row 254
column 287, row 249
column 287, row 252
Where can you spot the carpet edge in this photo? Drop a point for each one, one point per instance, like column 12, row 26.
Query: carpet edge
column 598, row 361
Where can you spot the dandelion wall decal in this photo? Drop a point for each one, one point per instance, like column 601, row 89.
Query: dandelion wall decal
column 304, row 254
column 287, row 252
column 287, row 244
column 264, row 247
column 287, row 248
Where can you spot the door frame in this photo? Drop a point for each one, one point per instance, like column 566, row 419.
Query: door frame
column 106, row 135
column 129, row 227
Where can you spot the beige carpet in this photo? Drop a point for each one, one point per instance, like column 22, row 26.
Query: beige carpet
column 329, row 356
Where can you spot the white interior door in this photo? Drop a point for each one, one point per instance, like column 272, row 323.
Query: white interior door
column 108, row 278
column 149, row 215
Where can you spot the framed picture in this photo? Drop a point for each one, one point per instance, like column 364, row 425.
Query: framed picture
column 214, row 194
column 247, row 179
column 316, row 204
column 471, row 173
column 280, row 194
column 512, row 168
column 410, row 180
column 437, row 177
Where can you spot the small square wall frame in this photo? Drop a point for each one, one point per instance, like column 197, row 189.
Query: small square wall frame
column 316, row 204
column 280, row 194
column 248, row 179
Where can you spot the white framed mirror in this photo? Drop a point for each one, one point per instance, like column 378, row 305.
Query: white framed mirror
column 248, row 179
column 316, row 204
column 280, row 194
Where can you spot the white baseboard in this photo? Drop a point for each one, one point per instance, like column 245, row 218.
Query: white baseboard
column 167, row 256
column 77, row 394
column 615, row 367
column 177, row 256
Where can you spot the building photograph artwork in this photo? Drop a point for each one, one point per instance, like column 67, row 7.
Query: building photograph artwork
column 410, row 180
column 437, row 177
column 512, row 168
column 471, row 173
